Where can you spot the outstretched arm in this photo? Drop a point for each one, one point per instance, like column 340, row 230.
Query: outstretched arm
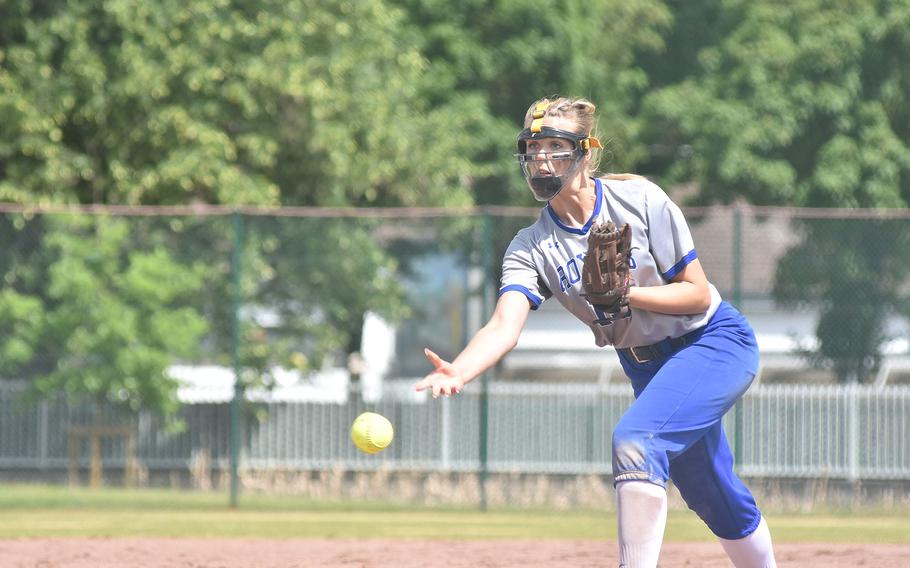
column 688, row 293
column 488, row 346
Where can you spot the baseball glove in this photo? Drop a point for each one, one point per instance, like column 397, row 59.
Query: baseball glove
column 606, row 271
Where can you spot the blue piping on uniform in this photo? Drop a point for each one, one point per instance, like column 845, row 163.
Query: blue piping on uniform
column 599, row 192
column 535, row 301
column 677, row 268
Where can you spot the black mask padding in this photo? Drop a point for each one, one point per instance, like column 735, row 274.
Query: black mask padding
column 545, row 188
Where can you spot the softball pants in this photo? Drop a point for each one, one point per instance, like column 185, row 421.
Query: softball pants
column 673, row 430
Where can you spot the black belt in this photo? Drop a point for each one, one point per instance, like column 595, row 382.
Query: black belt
column 661, row 349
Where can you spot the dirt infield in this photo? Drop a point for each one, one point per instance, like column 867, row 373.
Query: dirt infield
column 345, row 553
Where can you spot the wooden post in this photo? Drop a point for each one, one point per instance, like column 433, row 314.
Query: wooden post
column 73, row 444
column 130, row 469
column 95, row 436
column 95, row 464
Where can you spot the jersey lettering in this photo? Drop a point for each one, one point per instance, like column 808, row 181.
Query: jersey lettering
column 570, row 274
column 572, row 269
column 563, row 281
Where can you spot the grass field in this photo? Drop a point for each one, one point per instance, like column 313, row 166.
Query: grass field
column 50, row 511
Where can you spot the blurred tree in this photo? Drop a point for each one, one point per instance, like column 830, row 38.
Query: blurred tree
column 417, row 102
column 802, row 103
column 96, row 317
column 217, row 101
column 856, row 285
column 318, row 299
column 799, row 103
column 492, row 59
column 223, row 102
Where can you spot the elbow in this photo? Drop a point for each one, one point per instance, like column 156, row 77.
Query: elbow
column 506, row 338
column 697, row 298
column 703, row 301
column 500, row 339
column 503, row 333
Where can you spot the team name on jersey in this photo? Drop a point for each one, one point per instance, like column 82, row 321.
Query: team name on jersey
column 570, row 272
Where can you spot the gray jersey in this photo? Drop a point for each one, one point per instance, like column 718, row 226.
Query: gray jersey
column 546, row 258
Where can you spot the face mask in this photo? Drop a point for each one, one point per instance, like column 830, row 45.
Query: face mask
column 546, row 187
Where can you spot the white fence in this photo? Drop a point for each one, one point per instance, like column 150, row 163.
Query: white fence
column 846, row 432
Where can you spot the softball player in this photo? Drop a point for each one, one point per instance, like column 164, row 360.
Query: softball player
column 689, row 355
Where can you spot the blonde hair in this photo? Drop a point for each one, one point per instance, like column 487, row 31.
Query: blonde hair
column 581, row 112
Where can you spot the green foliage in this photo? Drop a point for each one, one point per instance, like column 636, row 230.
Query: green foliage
column 216, row 101
column 21, row 318
column 855, row 271
column 402, row 103
column 299, row 102
column 97, row 317
column 315, row 295
column 799, row 103
column 507, row 54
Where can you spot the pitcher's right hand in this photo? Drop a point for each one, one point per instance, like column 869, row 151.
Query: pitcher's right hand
column 445, row 378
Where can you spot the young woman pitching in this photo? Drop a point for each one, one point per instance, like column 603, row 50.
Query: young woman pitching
column 689, row 355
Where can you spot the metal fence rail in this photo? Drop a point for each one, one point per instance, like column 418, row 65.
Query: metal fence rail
column 851, row 432
column 847, row 432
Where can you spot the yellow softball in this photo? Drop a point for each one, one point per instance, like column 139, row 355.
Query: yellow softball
column 372, row 432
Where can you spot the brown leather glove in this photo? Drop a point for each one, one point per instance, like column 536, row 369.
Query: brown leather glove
column 606, row 270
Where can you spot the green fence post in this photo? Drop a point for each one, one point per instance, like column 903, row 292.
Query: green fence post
column 236, row 296
column 487, row 260
column 738, row 302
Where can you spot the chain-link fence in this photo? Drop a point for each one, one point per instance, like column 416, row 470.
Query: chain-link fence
column 114, row 316
column 784, row 431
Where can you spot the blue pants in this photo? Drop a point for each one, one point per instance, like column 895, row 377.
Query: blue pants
column 673, row 430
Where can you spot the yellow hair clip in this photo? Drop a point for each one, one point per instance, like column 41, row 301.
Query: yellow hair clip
column 589, row 142
column 540, row 111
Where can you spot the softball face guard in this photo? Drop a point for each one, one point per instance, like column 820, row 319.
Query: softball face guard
column 566, row 164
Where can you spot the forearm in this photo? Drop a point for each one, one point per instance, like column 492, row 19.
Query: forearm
column 675, row 298
column 487, row 347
